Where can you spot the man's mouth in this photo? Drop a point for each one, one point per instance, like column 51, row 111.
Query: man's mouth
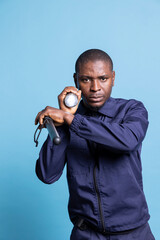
column 95, row 98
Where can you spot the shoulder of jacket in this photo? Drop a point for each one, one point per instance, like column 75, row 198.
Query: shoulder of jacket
column 129, row 102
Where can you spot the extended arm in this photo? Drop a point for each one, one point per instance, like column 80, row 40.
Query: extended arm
column 125, row 136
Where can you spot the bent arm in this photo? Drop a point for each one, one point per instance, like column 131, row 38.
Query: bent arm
column 52, row 158
column 125, row 136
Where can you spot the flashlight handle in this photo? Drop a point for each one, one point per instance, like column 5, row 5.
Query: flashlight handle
column 52, row 130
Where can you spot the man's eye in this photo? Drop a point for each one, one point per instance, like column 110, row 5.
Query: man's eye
column 103, row 79
column 85, row 80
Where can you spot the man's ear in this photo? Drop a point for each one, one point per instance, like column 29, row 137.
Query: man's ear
column 113, row 77
column 76, row 80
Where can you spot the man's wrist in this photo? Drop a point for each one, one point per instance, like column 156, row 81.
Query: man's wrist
column 68, row 118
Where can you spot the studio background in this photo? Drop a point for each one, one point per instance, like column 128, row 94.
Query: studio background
column 39, row 44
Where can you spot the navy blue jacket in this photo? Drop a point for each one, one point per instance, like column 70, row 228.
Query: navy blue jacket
column 102, row 150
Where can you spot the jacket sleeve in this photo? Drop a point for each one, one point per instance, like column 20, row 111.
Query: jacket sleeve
column 52, row 158
column 125, row 136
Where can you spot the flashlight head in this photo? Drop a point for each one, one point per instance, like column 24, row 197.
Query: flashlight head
column 71, row 100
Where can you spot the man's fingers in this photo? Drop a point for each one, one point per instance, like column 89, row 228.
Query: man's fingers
column 79, row 95
column 63, row 94
column 50, row 112
column 70, row 89
column 37, row 118
column 57, row 124
column 67, row 90
column 41, row 118
column 41, row 126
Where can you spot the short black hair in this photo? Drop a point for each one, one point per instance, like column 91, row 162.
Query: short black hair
column 93, row 55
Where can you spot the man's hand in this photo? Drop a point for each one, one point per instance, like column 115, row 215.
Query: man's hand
column 62, row 96
column 62, row 115
column 59, row 116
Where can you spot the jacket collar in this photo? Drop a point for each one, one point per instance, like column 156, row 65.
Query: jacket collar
column 108, row 109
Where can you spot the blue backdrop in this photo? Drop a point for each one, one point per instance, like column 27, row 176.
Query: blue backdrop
column 39, row 44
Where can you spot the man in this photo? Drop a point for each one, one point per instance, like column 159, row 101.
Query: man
column 101, row 145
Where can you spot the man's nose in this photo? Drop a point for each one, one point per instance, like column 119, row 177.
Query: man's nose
column 95, row 85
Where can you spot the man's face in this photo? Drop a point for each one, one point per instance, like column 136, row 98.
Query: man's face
column 95, row 79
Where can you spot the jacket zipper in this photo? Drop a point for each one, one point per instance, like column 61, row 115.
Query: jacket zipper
column 98, row 196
